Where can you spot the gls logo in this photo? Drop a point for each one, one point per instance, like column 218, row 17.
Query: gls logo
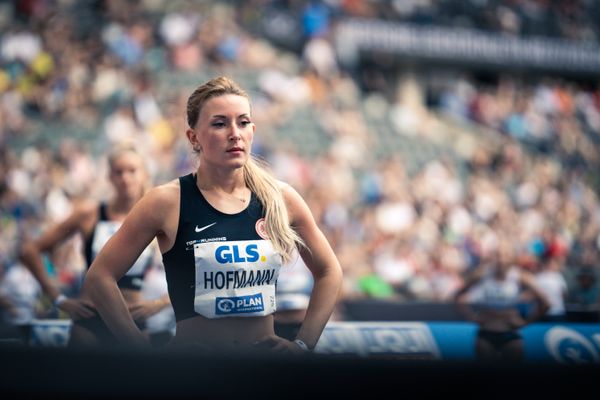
column 229, row 254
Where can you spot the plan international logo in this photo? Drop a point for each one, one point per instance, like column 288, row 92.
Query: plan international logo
column 238, row 305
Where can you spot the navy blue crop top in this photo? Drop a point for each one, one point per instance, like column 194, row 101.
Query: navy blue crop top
column 221, row 265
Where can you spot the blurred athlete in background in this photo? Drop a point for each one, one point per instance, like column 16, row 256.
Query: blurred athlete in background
column 501, row 298
column 97, row 222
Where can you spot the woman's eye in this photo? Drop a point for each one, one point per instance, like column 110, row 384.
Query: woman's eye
column 245, row 123
column 218, row 124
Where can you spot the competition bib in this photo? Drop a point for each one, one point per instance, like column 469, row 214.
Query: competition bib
column 104, row 230
column 236, row 278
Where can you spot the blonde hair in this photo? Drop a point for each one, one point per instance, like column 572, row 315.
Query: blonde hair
column 122, row 148
column 257, row 176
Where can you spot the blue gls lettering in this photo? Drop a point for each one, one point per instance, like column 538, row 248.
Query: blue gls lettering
column 221, row 256
column 252, row 253
column 229, row 254
column 236, row 255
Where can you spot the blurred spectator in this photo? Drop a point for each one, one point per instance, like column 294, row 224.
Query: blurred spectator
column 21, row 293
column 553, row 284
column 586, row 292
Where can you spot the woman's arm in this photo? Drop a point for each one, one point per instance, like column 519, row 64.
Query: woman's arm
column 462, row 299
column 31, row 256
column 143, row 223
column 323, row 264
column 542, row 305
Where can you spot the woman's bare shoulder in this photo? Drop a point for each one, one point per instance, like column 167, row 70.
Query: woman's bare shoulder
column 163, row 195
column 297, row 207
column 287, row 190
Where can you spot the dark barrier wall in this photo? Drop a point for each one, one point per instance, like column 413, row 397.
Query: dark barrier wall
column 368, row 358
column 47, row 374
column 385, row 310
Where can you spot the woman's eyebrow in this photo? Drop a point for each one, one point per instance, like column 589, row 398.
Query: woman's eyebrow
column 225, row 116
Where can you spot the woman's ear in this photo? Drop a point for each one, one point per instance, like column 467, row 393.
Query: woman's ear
column 191, row 135
column 253, row 132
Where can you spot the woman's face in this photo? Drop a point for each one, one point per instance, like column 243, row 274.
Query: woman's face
column 128, row 175
column 224, row 132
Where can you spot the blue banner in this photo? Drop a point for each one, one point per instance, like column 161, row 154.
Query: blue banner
column 400, row 339
column 564, row 343
column 568, row 343
column 50, row 332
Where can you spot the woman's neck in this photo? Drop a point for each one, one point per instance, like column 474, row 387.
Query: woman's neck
column 222, row 188
column 227, row 181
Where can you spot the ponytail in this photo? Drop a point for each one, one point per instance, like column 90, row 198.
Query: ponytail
column 260, row 181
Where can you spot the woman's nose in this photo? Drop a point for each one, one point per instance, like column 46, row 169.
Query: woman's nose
column 234, row 134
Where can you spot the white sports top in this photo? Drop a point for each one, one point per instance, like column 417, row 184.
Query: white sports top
column 491, row 292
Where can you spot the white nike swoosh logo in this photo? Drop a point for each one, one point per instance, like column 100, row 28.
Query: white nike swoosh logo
column 204, row 227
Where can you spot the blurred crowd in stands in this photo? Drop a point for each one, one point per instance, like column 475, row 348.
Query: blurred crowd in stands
column 109, row 68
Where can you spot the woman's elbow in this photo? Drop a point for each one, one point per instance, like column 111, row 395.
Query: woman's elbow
column 90, row 281
column 94, row 280
column 27, row 251
column 335, row 274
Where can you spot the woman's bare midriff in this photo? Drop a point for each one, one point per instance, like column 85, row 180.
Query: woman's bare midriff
column 290, row 316
column 500, row 320
column 222, row 333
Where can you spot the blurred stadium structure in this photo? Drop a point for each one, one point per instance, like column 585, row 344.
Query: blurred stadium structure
column 421, row 132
